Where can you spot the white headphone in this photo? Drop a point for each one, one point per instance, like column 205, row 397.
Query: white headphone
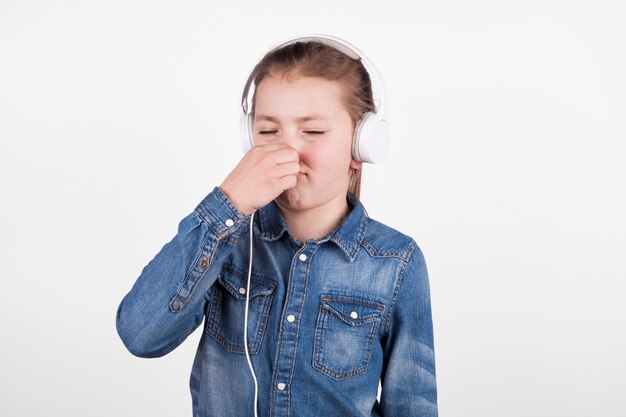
column 371, row 134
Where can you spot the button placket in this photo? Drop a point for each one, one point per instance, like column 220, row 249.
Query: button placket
column 289, row 335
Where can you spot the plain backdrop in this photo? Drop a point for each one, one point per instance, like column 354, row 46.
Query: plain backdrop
column 506, row 166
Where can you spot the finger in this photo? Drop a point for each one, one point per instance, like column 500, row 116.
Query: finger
column 288, row 168
column 288, row 181
column 268, row 147
column 284, row 155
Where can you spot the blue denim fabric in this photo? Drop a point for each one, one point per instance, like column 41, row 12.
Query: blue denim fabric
column 327, row 319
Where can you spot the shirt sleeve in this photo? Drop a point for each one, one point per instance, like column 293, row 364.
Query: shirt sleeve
column 408, row 378
column 166, row 303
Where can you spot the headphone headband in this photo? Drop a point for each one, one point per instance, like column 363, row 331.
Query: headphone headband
column 378, row 84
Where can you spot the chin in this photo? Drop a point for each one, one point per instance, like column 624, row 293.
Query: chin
column 290, row 197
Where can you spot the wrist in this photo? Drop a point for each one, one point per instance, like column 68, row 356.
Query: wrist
column 238, row 205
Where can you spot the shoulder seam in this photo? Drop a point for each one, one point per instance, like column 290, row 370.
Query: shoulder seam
column 403, row 253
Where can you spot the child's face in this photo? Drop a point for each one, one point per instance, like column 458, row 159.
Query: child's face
column 282, row 107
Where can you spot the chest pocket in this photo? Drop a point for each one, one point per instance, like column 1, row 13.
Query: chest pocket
column 227, row 306
column 344, row 334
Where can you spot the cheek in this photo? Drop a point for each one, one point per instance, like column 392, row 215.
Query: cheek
column 327, row 158
column 313, row 156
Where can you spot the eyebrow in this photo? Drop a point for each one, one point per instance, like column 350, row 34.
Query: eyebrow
column 314, row 116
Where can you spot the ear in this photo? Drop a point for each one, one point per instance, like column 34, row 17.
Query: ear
column 356, row 164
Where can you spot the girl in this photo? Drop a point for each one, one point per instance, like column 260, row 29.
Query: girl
column 332, row 303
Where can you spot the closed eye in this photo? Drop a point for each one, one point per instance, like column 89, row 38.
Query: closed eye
column 310, row 132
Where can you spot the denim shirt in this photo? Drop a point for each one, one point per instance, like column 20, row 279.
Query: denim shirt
column 327, row 319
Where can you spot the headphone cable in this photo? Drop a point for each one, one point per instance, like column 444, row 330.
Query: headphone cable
column 245, row 324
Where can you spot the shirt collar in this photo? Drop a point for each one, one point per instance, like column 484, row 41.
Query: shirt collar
column 347, row 235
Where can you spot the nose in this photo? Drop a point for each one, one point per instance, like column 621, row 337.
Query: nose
column 289, row 137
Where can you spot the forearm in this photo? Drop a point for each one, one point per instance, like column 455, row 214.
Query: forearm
column 166, row 303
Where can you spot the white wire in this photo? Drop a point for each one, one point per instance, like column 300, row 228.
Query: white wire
column 245, row 324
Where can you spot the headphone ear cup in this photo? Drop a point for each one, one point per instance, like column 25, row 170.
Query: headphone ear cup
column 245, row 130
column 371, row 138
column 356, row 139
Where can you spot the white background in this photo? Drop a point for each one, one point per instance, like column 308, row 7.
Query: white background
column 506, row 166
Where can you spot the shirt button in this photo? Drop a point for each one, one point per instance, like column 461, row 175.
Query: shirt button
column 242, row 290
column 302, row 257
column 281, row 386
column 354, row 315
column 291, row 318
column 229, row 222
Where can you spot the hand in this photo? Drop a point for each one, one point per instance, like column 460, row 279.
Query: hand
column 264, row 172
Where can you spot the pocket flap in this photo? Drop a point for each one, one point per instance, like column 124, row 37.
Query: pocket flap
column 353, row 310
column 235, row 281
